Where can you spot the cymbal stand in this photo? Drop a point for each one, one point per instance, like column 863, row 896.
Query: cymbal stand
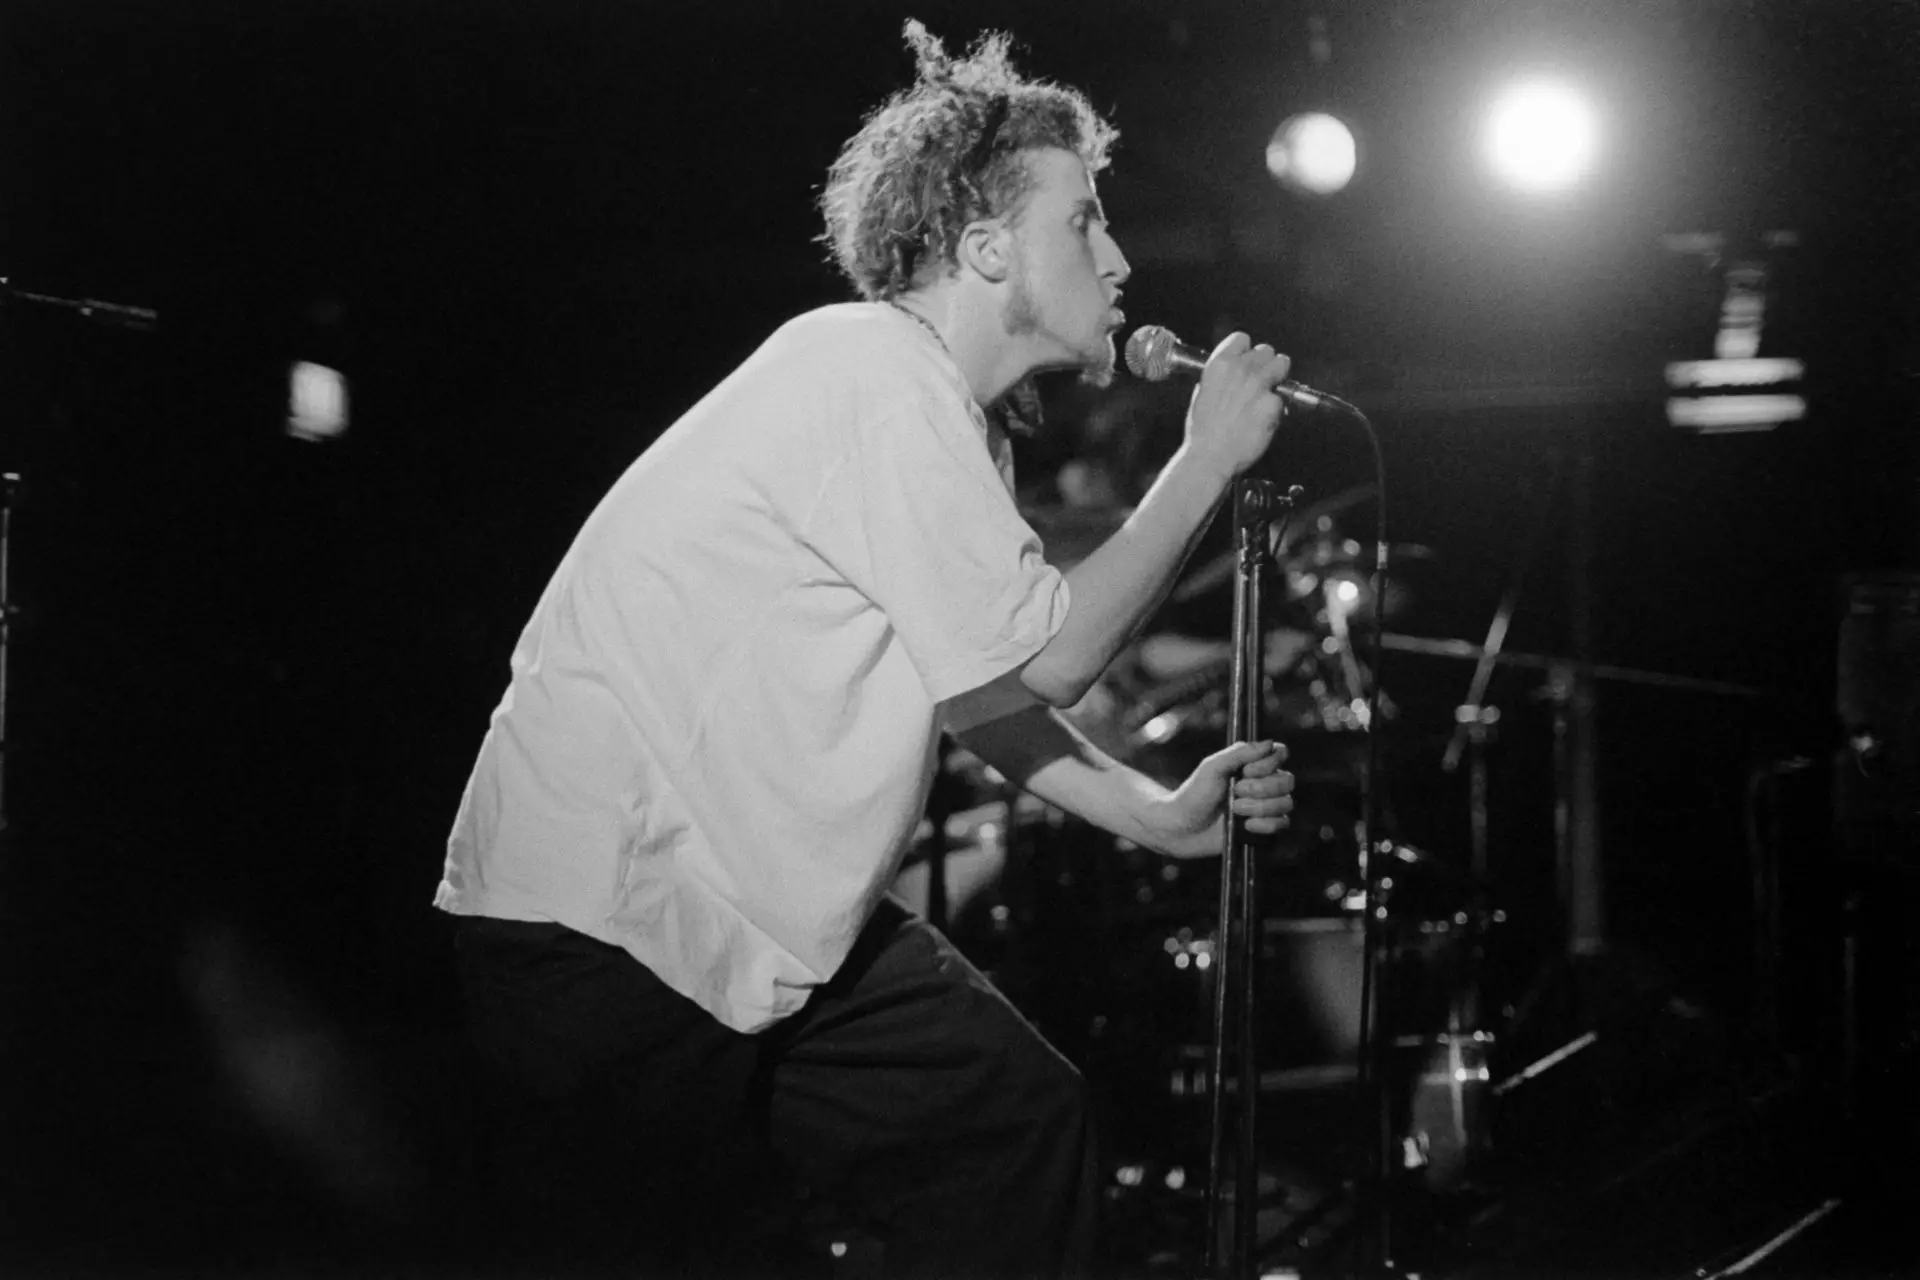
column 1473, row 719
column 1256, row 503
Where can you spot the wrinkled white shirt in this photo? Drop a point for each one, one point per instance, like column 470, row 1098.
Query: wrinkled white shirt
column 723, row 715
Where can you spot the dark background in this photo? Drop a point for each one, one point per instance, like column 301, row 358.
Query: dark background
column 250, row 672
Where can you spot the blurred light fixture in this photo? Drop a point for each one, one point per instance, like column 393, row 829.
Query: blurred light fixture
column 1738, row 389
column 316, row 402
column 1753, row 371
column 1542, row 135
column 1313, row 153
column 1743, row 312
column 1716, row 414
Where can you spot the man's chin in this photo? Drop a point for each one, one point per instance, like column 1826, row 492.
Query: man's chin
column 1097, row 371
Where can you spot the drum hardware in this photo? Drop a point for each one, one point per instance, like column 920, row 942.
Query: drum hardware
column 1467, row 651
column 1220, row 570
column 1569, row 691
column 1438, row 1054
column 1540, row 1066
column 1168, row 708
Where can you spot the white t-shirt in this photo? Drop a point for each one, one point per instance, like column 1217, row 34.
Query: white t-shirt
column 724, row 712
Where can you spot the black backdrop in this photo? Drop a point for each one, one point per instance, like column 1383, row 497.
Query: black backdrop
column 250, row 672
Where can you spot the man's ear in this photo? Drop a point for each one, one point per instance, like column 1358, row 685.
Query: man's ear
column 986, row 247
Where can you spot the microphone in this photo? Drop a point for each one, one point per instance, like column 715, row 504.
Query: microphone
column 1153, row 353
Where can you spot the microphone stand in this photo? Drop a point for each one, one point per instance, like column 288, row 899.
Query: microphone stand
column 1255, row 506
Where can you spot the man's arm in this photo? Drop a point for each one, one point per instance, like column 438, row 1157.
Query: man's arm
column 1229, row 425
column 1042, row 753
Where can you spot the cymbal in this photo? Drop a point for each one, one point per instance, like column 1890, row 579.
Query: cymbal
column 1342, row 553
column 1168, row 655
column 1306, row 521
column 1468, row 651
column 1219, row 570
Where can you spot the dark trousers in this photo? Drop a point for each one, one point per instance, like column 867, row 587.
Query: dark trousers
column 908, row 1099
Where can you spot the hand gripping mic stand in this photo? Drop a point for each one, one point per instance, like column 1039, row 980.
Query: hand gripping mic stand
column 1255, row 506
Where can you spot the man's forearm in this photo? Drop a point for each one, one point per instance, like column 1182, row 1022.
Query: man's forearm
column 1042, row 753
column 1125, row 579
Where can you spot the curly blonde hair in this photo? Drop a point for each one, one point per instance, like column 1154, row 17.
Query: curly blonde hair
column 941, row 154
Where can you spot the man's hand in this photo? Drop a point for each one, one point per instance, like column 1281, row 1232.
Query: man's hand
column 1188, row 823
column 1235, row 410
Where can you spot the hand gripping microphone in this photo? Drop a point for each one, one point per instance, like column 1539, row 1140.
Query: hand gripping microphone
column 1153, row 353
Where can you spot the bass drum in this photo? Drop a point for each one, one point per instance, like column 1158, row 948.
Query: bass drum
column 1310, row 973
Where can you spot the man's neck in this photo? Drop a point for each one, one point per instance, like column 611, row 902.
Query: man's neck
column 969, row 325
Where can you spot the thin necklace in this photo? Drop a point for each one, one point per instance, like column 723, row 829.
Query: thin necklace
column 920, row 320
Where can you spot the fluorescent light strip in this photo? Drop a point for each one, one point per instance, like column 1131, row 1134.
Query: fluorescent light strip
column 1755, row 372
column 1734, row 413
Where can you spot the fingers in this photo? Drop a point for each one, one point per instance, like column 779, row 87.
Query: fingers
column 1235, row 409
column 1262, row 796
column 1258, row 363
column 1267, row 788
column 1231, row 346
column 1265, row 756
column 1268, row 759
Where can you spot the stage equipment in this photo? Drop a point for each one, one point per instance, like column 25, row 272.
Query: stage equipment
column 1876, row 816
column 1154, row 354
column 1541, row 136
column 316, row 401
column 1738, row 389
column 1315, row 519
column 1877, row 779
column 1256, row 504
column 1312, row 153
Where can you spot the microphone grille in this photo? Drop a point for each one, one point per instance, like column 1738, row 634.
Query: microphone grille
column 1150, row 352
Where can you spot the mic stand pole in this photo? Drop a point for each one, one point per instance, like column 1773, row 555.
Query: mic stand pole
column 1236, row 947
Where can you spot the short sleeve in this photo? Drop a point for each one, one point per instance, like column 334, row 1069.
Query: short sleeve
column 921, row 522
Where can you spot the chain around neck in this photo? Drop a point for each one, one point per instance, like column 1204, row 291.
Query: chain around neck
column 920, row 320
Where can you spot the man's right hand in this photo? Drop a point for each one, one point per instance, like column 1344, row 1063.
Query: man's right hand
column 1235, row 410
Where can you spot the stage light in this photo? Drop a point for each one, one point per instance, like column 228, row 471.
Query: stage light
column 1748, row 371
column 316, row 402
column 1722, row 413
column 1542, row 136
column 1312, row 153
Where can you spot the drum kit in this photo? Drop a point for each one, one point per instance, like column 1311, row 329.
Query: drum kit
column 1110, row 948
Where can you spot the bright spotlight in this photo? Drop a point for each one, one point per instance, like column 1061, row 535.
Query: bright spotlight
column 1542, row 136
column 316, row 402
column 1313, row 153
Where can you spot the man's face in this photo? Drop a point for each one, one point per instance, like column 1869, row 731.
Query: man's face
column 1067, row 271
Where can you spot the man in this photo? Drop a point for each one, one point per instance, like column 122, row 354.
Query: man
column 676, row 843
